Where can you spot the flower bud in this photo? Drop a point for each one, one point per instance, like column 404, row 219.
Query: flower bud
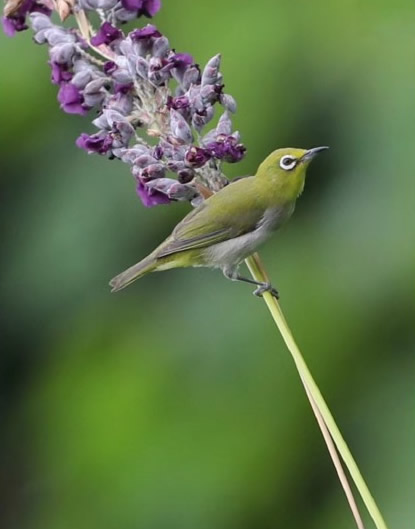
column 200, row 120
column 236, row 136
column 98, row 143
column 40, row 22
column 178, row 103
column 94, row 99
column 224, row 125
column 63, row 54
column 161, row 184
column 122, row 74
column 185, row 176
column 130, row 155
column 211, row 71
column 197, row 157
column 158, row 152
column 122, row 132
column 56, row 35
column 82, row 78
column 180, row 127
column 179, row 191
column 153, row 171
column 144, row 160
column 228, row 102
column 141, row 67
column 176, row 166
column 42, row 31
column 95, row 85
column 122, row 103
column 173, row 189
column 191, row 76
column 161, row 47
column 208, row 94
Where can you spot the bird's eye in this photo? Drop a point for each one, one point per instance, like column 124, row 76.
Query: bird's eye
column 288, row 162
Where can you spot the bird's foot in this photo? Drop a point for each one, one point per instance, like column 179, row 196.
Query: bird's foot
column 266, row 287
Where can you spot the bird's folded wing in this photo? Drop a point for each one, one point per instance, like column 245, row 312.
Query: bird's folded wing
column 213, row 222
column 200, row 241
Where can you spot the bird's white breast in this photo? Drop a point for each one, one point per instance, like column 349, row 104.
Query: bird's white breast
column 233, row 251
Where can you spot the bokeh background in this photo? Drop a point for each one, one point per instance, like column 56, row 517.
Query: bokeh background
column 175, row 404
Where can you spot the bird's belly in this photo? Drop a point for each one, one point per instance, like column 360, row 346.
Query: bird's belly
column 234, row 250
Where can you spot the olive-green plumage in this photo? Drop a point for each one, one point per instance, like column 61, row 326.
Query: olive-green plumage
column 230, row 225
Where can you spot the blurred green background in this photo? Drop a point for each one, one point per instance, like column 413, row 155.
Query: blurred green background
column 175, row 404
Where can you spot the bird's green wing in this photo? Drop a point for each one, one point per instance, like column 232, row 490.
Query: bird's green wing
column 228, row 214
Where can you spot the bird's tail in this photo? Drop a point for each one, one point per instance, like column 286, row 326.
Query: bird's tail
column 148, row 264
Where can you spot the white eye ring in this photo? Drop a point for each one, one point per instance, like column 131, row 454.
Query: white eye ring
column 288, row 162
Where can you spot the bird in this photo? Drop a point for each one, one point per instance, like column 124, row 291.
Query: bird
column 231, row 224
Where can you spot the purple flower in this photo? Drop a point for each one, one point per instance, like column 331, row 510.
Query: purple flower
column 197, row 157
column 151, row 197
column 109, row 67
column 107, row 33
column 158, row 152
column 98, row 143
column 181, row 59
column 145, row 33
column 172, row 189
column 13, row 24
column 17, row 21
column 60, row 73
column 226, row 148
column 178, row 102
column 143, row 7
column 123, row 88
column 71, row 99
column 150, row 7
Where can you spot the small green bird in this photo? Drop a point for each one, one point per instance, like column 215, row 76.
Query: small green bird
column 230, row 225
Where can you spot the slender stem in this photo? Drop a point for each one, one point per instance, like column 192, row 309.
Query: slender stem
column 335, row 458
column 259, row 274
column 83, row 24
column 86, row 32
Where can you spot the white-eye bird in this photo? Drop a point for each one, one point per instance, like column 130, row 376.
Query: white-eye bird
column 231, row 224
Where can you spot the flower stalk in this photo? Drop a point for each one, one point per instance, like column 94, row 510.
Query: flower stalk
column 336, row 460
column 259, row 274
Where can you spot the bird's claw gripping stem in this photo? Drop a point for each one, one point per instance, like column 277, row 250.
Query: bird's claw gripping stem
column 266, row 287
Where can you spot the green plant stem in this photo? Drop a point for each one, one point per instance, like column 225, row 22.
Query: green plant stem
column 336, row 460
column 259, row 274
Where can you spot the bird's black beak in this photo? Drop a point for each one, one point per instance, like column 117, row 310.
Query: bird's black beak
column 309, row 155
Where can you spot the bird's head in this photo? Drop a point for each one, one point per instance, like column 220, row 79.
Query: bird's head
column 284, row 170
